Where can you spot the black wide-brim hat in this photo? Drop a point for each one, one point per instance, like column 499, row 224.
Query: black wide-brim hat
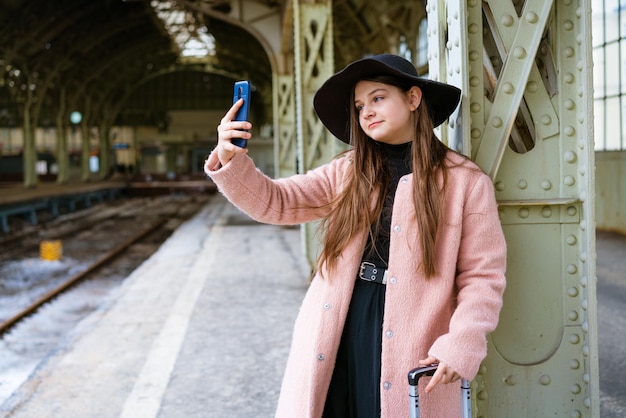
column 332, row 100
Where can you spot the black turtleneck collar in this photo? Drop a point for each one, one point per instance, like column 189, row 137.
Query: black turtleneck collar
column 396, row 150
column 399, row 157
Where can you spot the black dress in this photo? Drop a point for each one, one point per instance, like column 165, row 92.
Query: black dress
column 354, row 390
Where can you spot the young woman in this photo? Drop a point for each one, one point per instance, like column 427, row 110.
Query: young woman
column 413, row 260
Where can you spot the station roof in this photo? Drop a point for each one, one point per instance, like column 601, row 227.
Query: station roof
column 138, row 59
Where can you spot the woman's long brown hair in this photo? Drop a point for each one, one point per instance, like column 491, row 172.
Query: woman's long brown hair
column 352, row 212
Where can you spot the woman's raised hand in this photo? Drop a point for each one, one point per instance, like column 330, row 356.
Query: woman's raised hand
column 229, row 129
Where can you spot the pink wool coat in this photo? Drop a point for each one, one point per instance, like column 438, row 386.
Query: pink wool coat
column 447, row 317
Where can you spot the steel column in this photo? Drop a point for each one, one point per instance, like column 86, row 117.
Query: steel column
column 526, row 118
column 313, row 56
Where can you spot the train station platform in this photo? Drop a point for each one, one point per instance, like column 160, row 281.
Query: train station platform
column 15, row 193
column 200, row 329
column 203, row 328
column 18, row 201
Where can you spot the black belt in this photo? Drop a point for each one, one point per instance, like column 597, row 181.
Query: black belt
column 370, row 273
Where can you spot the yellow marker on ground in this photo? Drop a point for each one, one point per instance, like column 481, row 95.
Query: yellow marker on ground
column 51, row 250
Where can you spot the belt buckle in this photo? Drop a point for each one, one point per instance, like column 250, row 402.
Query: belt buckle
column 362, row 271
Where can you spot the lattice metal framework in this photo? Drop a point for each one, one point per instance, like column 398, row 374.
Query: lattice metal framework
column 526, row 119
column 285, row 149
column 313, row 56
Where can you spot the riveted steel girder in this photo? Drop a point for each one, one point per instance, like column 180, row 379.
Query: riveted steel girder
column 313, row 58
column 526, row 119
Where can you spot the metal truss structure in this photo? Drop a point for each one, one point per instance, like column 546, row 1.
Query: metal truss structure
column 526, row 119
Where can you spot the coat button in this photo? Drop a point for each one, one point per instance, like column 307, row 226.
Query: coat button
column 387, row 385
column 396, row 228
column 393, row 280
column 327, row 306
column 404, row 179
column 320, row 357
column 389, row 334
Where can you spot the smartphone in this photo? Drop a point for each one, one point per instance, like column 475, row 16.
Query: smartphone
column 242, row 90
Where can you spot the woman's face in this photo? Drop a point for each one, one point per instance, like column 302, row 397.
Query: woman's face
column 386, row 112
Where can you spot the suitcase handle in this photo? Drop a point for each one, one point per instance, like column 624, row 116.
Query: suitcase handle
column 414, row 398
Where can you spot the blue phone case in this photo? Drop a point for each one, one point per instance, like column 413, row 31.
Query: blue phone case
column 242, row 90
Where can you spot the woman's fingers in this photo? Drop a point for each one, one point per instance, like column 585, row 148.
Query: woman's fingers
column 427, row 361
column 434, row 381
column 229, row 130
column 444, row 374
column 232, row 111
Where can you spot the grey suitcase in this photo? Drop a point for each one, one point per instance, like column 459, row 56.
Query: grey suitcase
column 414, row 399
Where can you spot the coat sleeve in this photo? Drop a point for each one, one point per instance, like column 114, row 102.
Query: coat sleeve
column 480, row 283
column 292, row 200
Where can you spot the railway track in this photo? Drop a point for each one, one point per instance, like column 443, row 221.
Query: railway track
column 109, row 241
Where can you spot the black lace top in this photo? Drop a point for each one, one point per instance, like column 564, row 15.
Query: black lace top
column 399, row 157
column 355, row 386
